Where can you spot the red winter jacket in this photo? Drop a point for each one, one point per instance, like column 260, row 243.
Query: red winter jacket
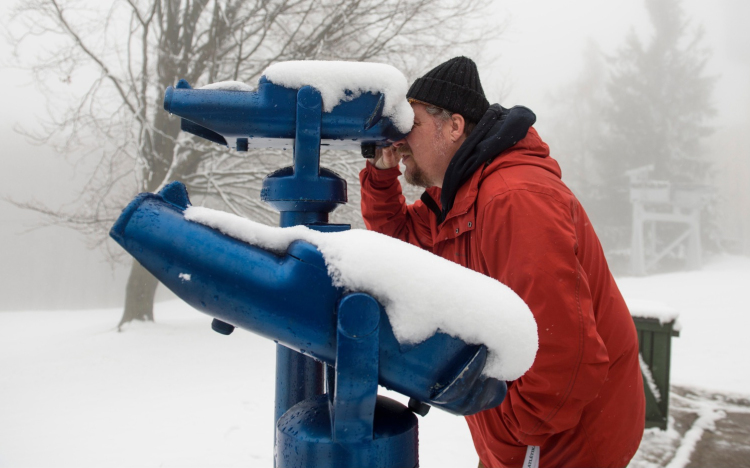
column 582, row 400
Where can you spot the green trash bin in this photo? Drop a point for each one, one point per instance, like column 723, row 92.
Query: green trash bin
column 655, row 345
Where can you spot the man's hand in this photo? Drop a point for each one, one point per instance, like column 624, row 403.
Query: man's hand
column 386, row 158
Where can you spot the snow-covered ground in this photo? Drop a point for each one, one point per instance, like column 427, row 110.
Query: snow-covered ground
column 714, row 305
column 75, row 392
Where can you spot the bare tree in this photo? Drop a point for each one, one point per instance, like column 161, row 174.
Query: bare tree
column 121, row 55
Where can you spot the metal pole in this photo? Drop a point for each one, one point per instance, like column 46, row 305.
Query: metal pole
column 299, row 377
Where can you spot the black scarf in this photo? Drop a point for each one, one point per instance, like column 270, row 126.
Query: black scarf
column 498, row 130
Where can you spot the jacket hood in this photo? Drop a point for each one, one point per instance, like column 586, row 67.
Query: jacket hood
column 531, row 151
column 499, row 130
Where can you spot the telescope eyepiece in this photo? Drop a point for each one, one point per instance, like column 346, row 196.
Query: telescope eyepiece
column 368, row 150
column 168, row 95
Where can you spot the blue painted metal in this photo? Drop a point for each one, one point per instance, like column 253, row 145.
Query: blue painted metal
column 298, row 377
column 267, row 117
column 356, row 428
column 305, row 187
column 304, row 440
column 303, row 194
column 289, row 297
column 356, row 368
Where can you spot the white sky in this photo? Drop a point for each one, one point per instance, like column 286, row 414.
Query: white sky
column 543, row 43
column 542, row 48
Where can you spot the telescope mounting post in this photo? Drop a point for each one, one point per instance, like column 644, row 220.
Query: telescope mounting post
column 304, row 194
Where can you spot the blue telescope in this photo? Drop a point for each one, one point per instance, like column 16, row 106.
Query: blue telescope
column 289, row 297
column 268, row 117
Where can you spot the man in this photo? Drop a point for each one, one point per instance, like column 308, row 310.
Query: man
column 495, row 203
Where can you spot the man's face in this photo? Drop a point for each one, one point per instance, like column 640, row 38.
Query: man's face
column 424, row 151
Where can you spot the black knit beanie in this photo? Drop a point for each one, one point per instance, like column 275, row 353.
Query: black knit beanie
column 453, row 86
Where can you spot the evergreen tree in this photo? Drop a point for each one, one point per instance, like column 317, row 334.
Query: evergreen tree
column 660, row 100
column 657, row 113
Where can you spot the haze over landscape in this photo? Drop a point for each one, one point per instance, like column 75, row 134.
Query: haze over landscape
column 540, row 51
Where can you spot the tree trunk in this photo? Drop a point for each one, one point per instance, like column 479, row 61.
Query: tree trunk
column 139, row 296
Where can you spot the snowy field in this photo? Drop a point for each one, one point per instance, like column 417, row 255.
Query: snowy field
column 75, row 392
column 713, row 347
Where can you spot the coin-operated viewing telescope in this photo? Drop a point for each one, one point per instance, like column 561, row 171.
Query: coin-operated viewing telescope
column 287, row 293
column 266, row 118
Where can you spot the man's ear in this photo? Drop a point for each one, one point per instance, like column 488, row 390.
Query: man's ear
column 457, row 127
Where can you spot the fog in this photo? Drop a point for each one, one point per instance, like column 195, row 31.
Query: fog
column 540, row 52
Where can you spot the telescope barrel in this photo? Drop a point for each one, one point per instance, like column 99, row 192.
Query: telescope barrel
column 289, row 297
column 230, row 280
column 267, row 117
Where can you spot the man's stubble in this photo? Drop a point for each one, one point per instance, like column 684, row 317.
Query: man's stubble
column 417, row 176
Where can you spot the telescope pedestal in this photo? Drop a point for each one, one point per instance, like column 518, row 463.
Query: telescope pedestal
column 355, row 427
column 304, row 440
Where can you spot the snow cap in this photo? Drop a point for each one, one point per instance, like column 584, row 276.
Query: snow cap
column 422, row 293
column 344, row 81
column 229, row 86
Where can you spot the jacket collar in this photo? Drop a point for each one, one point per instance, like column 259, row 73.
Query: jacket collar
column 499, row 130
column 531, row 151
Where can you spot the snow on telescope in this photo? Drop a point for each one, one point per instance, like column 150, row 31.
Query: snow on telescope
column 449, row 340
column 362, row 107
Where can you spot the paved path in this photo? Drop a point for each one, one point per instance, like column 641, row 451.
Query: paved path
column 705, row 430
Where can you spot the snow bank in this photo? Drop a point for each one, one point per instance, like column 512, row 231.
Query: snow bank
column 712, row 349
column 649, row 377
column 655, row 310
column 421, row 292
column 344, row 81
column 180, row 401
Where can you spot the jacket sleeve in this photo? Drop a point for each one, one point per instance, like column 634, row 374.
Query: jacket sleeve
column 529, row 243
column 384, row 208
